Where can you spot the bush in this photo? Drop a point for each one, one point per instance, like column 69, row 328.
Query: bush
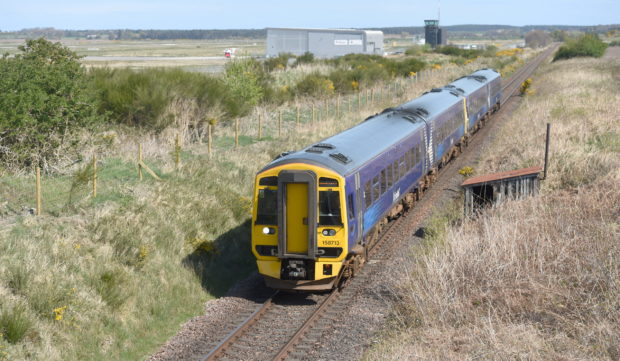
column 141, row 98
column 454, row 51
column 315, row 85
column 245, row 81
column 278, row 63
column 43, row 99
column 585, row 45
column 306, row 58
column 615, row 43
column 417, row 50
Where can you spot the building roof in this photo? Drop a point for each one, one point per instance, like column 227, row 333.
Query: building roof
column 494, row 177
column 377, row 32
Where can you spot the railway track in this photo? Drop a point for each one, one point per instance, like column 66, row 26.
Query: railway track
column 288, row 326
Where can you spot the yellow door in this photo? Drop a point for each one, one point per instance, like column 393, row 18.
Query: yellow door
column 297, row 218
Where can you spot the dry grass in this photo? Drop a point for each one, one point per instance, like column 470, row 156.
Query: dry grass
column 536, row 279
column 126, row 269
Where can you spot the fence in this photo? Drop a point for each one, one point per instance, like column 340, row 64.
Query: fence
column 301, row 118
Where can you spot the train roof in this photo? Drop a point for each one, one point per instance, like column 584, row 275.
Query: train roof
column 347, row 151
column 470, row 83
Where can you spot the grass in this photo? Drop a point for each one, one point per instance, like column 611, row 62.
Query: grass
column 533, row 279
column 126, row 269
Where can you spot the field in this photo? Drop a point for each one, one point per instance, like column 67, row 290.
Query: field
column 193, row 55
column 534, row 279
column 113, row 277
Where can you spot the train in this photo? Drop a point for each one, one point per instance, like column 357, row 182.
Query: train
column 317, row 211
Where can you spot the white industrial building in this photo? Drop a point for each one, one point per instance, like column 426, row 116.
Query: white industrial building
column 323, row 43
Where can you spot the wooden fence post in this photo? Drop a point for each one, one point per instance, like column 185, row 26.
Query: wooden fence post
column 349, row 105
column 236, row 132
column 140, row 161
column 280, row 123
column 209, row 139
column 177, row 152
column 338, row 106
column 313, row 114
column 95, row 175
column 297, row 119
column 326, row 108
column 372, row 96
column 38, row 191
column 260, row 126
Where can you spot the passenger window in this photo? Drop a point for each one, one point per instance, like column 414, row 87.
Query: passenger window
column 390, row 182
column 367, row 195
column 375, row 189
column 351, row 206
column 403, row 168
column 396, row 175
column 383, row 182
column 329, row 208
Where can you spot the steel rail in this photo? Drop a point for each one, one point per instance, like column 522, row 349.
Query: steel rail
column 240, row 330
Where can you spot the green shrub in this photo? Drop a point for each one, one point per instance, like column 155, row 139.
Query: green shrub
column 141, row 98
column 278, row 63
column 306, row 58
column 15, row 323
column 615, row 43
column 454, row 51
column 315, row 85
column 43, row 99
column 585, row 45
column 417, row 50
column 245, row 81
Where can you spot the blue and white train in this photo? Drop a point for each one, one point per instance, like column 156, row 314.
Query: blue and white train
column 317, row 210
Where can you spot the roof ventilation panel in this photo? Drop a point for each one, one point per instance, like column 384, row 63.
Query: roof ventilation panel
column 341, row 158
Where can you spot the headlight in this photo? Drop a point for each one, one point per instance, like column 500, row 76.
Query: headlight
column 269, row 230
column 329, row 232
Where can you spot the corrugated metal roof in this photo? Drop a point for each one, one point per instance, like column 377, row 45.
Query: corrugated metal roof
column 487, row 178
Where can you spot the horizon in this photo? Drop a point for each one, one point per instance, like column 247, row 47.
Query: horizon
column 245, row 14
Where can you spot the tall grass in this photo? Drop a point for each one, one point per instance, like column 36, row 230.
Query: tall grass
column 534, row 279
column 114, row 277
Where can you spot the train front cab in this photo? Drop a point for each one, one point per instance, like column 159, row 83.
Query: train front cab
column 299, row 231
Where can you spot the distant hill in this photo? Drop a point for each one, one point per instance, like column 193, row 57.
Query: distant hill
column 456, row 31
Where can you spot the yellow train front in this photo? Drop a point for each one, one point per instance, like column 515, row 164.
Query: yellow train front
column 299, row 233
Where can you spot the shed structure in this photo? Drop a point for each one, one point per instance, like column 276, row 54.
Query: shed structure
column 493, row 188
column 323, row 43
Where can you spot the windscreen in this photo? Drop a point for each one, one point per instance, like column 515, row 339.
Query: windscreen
column 329, row 208
column 267, row 212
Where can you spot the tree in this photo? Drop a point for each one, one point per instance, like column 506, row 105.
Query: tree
column 537, row 39
column 42, row 100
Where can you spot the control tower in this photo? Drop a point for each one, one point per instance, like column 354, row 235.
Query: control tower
column 433, row 33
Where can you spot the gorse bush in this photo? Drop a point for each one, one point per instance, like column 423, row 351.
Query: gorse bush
column 141, row 98
column 454, row 51
column 585, row 45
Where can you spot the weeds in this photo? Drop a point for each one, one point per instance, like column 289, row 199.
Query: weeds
column 15, row 323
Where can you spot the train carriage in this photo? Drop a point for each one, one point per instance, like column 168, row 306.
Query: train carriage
column 316, row 210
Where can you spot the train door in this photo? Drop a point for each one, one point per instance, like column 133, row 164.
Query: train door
column 488, row 86
column 297, row 218
column 297, row 221
column 359, row 194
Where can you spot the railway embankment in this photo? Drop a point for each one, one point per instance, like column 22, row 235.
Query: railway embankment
column 536, row 278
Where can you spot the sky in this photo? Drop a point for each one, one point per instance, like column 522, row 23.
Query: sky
column 247, row 14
